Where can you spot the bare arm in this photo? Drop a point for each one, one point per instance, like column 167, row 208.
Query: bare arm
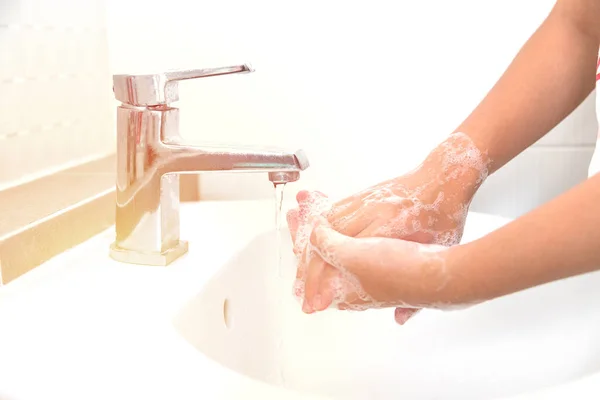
column 550, row 76
column 558, row 240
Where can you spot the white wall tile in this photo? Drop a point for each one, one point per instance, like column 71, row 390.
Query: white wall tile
column 531, row 179
column 55, row 86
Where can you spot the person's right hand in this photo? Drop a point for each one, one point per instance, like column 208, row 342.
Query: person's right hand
column 428, row 205
column 379, row 272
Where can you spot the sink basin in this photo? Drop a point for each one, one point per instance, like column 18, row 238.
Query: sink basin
column 221, row 323
column 246, row 319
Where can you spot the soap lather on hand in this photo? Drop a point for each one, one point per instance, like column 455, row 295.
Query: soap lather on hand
column 428, row 205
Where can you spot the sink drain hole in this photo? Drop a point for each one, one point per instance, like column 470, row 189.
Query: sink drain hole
column 227, row 318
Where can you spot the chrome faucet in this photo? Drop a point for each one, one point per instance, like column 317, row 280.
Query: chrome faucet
column 151, row 154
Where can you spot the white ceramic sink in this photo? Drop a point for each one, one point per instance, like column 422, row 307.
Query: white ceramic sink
column 246, row 319
column 221, row 324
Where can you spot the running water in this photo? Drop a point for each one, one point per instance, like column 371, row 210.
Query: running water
column 279, row 187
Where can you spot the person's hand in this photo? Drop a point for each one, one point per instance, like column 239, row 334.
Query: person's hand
column 381, row 272
column 377, row 272
column 428, row 205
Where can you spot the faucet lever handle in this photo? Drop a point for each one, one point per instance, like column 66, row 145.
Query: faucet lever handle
column 162, row 89
column 206, row 72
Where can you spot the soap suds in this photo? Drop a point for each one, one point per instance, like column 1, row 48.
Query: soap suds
column 414, row 217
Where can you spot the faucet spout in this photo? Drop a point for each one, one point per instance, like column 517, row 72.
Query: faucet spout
column 185, row 159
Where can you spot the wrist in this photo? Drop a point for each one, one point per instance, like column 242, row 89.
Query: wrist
column 459, row 290
column 442, row 283
column 457, row 167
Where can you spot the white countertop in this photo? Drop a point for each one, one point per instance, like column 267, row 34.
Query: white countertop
column 83, row 326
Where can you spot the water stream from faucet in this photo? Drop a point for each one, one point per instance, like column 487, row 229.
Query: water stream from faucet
column 279, row 188
column 279, row 231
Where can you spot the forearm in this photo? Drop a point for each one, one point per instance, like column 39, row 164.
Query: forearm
column 558, row 240
column 550, row 76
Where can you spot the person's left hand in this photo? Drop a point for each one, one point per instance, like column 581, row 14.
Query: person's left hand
column 379, row 272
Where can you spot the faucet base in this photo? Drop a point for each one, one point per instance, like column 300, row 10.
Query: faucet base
column 155, row 259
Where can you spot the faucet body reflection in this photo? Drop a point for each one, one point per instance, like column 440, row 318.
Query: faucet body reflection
column 151, row 155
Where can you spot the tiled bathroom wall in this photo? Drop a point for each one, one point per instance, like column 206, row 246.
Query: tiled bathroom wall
column 55, row 86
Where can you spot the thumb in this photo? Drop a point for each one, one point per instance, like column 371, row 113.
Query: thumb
column 292, row 217
column 358, row 255
column 333, row 247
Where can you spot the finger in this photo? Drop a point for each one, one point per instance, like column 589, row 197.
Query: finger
column 300, row 272
column 329, row 287
column 346, row 216
column 401, row 315
column 338, row 252
column 306, row 195
column 310, row 203
column 298, row 289
column 382, row 228
column 301, row 196
column 316, row 202
column 377, row 228
column 321, row 278
column 354, row 223
column 327, row 242
column 341, row 211
column 312, row 300
column 354, row 305
column 293, row 222
column 348, row 205
column 302, row 264
column 419, row 237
